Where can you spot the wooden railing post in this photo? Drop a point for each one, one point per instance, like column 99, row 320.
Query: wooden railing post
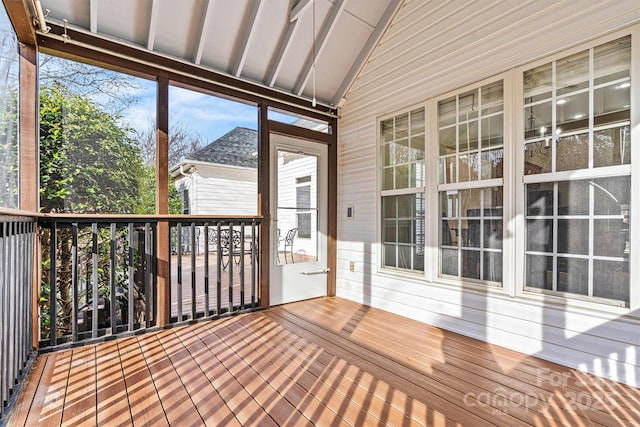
column 163, row 279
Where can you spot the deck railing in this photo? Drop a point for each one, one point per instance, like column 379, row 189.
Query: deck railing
column 214, row 267
column 17, row 237
column 100, row 273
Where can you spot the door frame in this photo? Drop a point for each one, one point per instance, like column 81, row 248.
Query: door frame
column 264, row 196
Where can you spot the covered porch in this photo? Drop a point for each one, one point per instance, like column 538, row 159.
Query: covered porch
column 327, row 361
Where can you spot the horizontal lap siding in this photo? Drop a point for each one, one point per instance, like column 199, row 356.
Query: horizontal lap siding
column 430, row 48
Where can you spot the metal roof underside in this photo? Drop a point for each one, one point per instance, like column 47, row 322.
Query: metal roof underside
column 268, row 42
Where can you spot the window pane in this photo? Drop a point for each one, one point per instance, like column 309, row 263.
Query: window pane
column 449, row 262
column 389, row 231
column 417, row 148
column 468, row 136
column 447, row 140
column 537, row 158
column 389, row 255
column 9, row 85
column 492, row 163
column 572, row 152
column 492, row 96
column 573, row 275
column 611, row 279
column 402, row 154
column 447, row 112
column 573, row 236
column 540, row 235
column 387, row 178
column 572, row 113
column 469, row 166
column 403, row 231
column 417, row 122
column 572, row 73
column 386, row 130
column 492, row 131
column 471, row 233
column 447, row 172
column 389, row 207
column 468, row 105
column 471, row 264
column 537, row 83
column 612, row 61
column 611, row 195
column 492, row 234
column 402, row 126
column 492, row 268
column 613, row 237
column 539, row 199
column 612, row 104
column 537, row 121
column 449, row 203
column 539, row 270
column 612, row 147
column 573, row 198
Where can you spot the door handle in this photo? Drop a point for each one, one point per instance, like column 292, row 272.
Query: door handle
column 311, row 273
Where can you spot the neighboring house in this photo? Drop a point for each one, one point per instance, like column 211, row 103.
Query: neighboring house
column 220, row 178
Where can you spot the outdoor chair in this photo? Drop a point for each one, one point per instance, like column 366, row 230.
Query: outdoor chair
column 231, row 246
column 287, row 243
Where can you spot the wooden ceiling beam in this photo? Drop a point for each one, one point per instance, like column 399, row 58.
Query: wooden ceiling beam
column 21, row 16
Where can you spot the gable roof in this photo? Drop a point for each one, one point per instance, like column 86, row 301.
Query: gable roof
column 237, row 147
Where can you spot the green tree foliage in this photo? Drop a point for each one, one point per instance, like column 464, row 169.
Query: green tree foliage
column 88, row 163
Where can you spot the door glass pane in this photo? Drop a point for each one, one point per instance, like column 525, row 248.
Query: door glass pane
column 297, row 209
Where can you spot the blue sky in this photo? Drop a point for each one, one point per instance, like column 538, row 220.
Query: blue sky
column 208, row 116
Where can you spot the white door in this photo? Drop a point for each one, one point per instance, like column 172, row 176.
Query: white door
column 299, row 219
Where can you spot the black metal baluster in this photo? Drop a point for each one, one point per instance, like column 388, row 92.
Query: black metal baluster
column 74, row 281
column 206, row 269
column 94, row 280
column 193, row 270
column 53, row 286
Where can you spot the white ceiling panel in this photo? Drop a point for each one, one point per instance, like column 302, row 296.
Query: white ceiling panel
column 254, row 40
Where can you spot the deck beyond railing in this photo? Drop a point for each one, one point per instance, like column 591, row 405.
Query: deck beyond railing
column 17, row 236
column 102, row 271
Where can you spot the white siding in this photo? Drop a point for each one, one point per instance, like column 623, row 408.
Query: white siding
column 430, row 48
column 221, row 190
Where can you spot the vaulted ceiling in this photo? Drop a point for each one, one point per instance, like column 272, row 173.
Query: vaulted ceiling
column 274, row 43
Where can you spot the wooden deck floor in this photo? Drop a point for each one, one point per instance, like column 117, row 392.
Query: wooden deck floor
column 326, row 362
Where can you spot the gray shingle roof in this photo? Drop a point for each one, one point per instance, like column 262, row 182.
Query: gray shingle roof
column 237, row 148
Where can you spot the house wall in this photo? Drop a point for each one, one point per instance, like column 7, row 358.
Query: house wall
column 220, row 190
column 429, row 49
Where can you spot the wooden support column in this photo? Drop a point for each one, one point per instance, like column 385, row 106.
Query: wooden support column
column 28, row 164
column 264, row 173
column 332, row 209
column 162, row 199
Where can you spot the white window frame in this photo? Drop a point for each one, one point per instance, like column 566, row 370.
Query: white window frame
column 570, row 300
column 505, row 182
column 513, row 181
column 380, row 193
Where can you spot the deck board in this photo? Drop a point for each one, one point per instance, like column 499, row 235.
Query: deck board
column 324, row 362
